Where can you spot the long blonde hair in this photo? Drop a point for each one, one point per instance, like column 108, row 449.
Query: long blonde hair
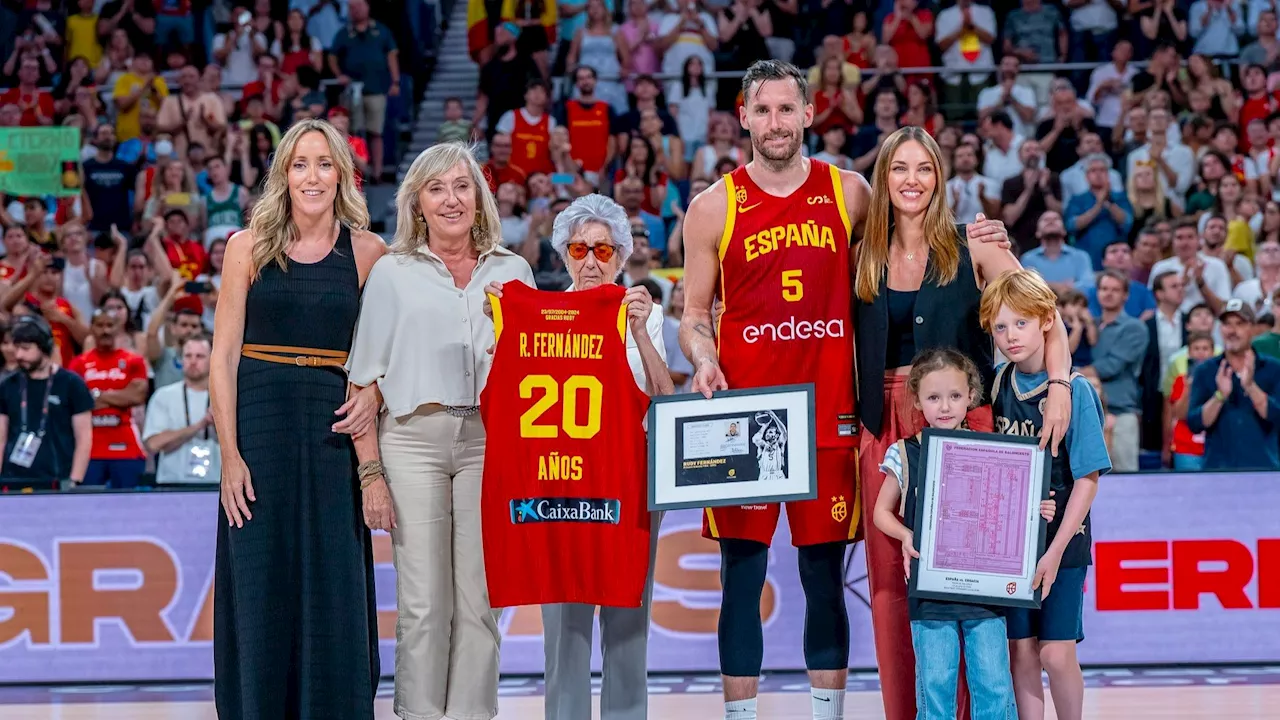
column 411, row 230
column 272, row 221
column 1157, row 188
column 939, row 220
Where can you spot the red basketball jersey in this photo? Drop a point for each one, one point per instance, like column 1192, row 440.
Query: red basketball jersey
column 784, row 283
column 531, row 144
column 564, row 498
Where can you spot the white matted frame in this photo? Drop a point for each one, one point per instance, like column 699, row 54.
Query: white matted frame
column 976, row 579
column 722, row 452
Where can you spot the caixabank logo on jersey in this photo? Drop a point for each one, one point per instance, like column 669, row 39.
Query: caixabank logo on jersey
column 590, row 510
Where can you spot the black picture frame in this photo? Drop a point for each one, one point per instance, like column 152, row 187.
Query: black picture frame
column 923, row 527
column 801, row 448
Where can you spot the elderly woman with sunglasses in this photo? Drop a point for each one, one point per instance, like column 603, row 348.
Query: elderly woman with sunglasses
column 593, row 237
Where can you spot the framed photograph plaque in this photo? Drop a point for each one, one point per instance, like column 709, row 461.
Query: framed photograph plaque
column 978, row 527
column 741, row 447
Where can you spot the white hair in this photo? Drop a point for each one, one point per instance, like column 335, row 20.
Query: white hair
column 589, row 209
column 1097, row 157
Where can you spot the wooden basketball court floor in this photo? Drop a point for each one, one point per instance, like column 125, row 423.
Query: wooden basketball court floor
column 1117, row 694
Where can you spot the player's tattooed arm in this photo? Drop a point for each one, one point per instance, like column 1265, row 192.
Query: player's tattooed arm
column 704, row 223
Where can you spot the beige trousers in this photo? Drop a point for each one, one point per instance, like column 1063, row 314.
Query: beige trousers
column 447, row 636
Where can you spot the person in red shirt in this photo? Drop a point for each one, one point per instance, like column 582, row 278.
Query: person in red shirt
column 186, row 256
column 1183, row 449
column 340, row 118
column 499, row 170
column 117, row 379
column 267, row 86
column 17, row 249
column 530, row 130
column 36, row 293
column 1257, row 103
column 36, row 105
column 590, row 122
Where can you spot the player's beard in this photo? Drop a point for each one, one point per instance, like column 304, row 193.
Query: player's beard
column 774, row 157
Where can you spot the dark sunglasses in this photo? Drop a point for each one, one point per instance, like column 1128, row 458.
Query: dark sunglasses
column 579, row 250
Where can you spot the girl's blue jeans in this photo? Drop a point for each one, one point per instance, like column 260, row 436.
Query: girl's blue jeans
column 986, row 655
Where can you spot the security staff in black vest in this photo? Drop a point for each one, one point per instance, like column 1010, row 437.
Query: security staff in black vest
column 45, row 415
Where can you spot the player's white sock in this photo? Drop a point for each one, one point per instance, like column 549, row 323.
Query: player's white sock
column 740, row 709
column 827, row 704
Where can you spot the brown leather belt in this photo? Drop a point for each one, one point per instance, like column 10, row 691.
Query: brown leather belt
column 300, row 356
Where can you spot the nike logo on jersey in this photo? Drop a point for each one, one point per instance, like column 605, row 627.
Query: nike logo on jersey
column 748, row 208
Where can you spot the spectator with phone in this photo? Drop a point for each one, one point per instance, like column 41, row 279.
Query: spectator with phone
column 179, row 425
column 172, row 188
column 236, row 49
column 117, row 380
column 45, row 413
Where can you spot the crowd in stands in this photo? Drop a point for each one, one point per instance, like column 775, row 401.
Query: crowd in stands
column 1142, row 180
column 179, row 104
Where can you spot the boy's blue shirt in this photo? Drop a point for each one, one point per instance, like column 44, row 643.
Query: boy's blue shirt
column 1085, row 443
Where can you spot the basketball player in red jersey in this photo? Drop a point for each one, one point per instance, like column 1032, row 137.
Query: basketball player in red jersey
column 772, row 241
column 117, row 379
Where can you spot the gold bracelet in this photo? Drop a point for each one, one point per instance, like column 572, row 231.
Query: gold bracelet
column 372, row 467
column 369, row 480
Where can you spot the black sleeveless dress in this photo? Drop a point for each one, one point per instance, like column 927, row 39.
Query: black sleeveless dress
column 295, row 626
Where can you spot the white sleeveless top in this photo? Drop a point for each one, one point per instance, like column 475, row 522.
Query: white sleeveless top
column 76, row 288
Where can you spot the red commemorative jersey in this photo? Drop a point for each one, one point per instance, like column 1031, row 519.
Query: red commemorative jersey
column 784, row 283
column 115, row 437
column 563, row 502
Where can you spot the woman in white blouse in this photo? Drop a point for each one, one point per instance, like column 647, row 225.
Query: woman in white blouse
column 423, row 338
column 593, row 237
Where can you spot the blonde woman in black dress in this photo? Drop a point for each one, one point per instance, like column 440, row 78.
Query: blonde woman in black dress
column 295, row 632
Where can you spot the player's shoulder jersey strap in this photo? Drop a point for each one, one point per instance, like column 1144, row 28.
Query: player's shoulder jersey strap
column 837, row 190
column 730, row 212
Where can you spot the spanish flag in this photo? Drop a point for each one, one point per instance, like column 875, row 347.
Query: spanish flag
column 478, row 36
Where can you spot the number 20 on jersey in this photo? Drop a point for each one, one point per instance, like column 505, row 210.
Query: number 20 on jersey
column 548, row 391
